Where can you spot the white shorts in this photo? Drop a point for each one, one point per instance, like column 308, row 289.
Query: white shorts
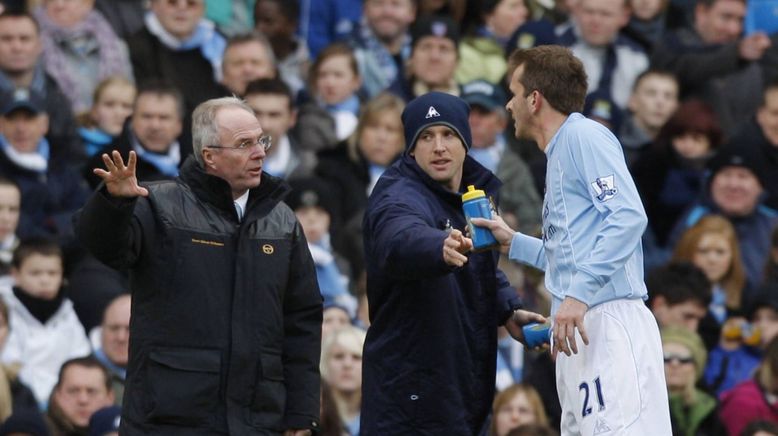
column 616, row 384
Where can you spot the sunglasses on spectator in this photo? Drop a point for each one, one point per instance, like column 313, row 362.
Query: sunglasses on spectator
column 669, row 358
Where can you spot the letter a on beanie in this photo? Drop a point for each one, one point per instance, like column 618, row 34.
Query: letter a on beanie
column 436, row 109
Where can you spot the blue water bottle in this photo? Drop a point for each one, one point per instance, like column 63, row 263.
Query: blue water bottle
column 476, row 205
column 536, row 334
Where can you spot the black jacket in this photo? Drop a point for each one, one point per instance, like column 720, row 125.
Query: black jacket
column 226, row 316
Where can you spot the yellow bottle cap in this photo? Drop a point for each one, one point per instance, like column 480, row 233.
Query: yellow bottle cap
column 472, row 193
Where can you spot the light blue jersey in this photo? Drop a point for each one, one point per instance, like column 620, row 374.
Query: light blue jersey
column 593, row 219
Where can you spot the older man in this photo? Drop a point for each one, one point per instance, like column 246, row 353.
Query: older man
column 226, row 323
column 114, row 343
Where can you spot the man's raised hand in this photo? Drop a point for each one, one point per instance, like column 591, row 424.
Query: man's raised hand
column 120, row 179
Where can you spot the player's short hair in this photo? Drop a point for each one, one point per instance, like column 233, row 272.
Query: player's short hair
column 679, row 282
column 553, row 71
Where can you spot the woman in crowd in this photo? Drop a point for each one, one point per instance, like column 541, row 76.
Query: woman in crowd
column 515, row 406
column 112, row 103
column 341, row 369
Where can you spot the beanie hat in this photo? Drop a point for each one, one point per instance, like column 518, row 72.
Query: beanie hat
column 105, row 420
column 733, row 156
column 690, row 340
column 436, row 109
column 435, row 25
column 312, row 191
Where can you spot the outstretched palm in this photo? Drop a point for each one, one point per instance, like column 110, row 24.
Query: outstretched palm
column 120, row 179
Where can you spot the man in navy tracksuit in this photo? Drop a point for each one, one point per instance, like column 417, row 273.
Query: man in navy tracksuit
column 429, row 357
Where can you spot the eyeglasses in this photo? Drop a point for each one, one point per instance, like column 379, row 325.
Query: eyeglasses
column 683, row 360
column 264, row 142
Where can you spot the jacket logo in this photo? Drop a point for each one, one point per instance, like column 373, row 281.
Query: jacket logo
column 211, row 243
column 268, row 249
column 604, row 188
column 432, row 113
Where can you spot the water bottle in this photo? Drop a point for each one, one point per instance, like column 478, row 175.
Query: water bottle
column 476, row 205
column 536, row 334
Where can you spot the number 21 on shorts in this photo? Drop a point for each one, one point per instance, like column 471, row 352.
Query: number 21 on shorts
column 584, row 386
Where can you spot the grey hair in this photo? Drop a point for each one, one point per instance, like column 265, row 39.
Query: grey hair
column 204, row 129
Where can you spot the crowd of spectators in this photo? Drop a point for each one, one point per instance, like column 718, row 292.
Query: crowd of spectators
column 687, row 87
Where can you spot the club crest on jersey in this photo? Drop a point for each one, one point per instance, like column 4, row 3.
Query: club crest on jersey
column 604, row 188
column 432, row 113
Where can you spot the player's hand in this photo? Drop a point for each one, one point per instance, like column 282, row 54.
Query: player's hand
column 519, row 319
column 752, row 47
column 569, row 317
column 120, row 179
column 502, row 233
column 455, row 246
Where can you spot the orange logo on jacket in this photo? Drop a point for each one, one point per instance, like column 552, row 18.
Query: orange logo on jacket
column 267, row 249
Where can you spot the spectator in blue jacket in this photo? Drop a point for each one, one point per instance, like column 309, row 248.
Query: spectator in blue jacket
column 428, row 364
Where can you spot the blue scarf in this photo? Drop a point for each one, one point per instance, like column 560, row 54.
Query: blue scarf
column 350, row 104
column 94, row 140
column 166, row 163
column 205, row 36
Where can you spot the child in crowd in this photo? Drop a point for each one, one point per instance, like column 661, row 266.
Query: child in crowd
column 515, row 406
column 334, row 317
column 45, row 331
column 113, row 101
column 312, row 201
column 334, row 82
column 10, row 202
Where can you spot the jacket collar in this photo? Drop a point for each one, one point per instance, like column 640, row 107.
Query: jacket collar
column 217, row 191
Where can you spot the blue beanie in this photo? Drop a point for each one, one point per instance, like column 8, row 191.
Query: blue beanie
column 434, row 109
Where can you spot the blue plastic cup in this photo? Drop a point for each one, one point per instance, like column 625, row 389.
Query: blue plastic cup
column 537, row 334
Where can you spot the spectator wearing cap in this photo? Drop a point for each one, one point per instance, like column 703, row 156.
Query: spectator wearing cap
column 106, row 421
column 153, row 133
column 612, row 61
column 51, row 191
column 429, row 357
column 179, row 46
column 760, row 134
column 382, row 42
column 692, row 410
column 488, row 119
column 735, row 190
column 715, row 61
column 313, row 202
column 21, row 67
column 433, row 61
